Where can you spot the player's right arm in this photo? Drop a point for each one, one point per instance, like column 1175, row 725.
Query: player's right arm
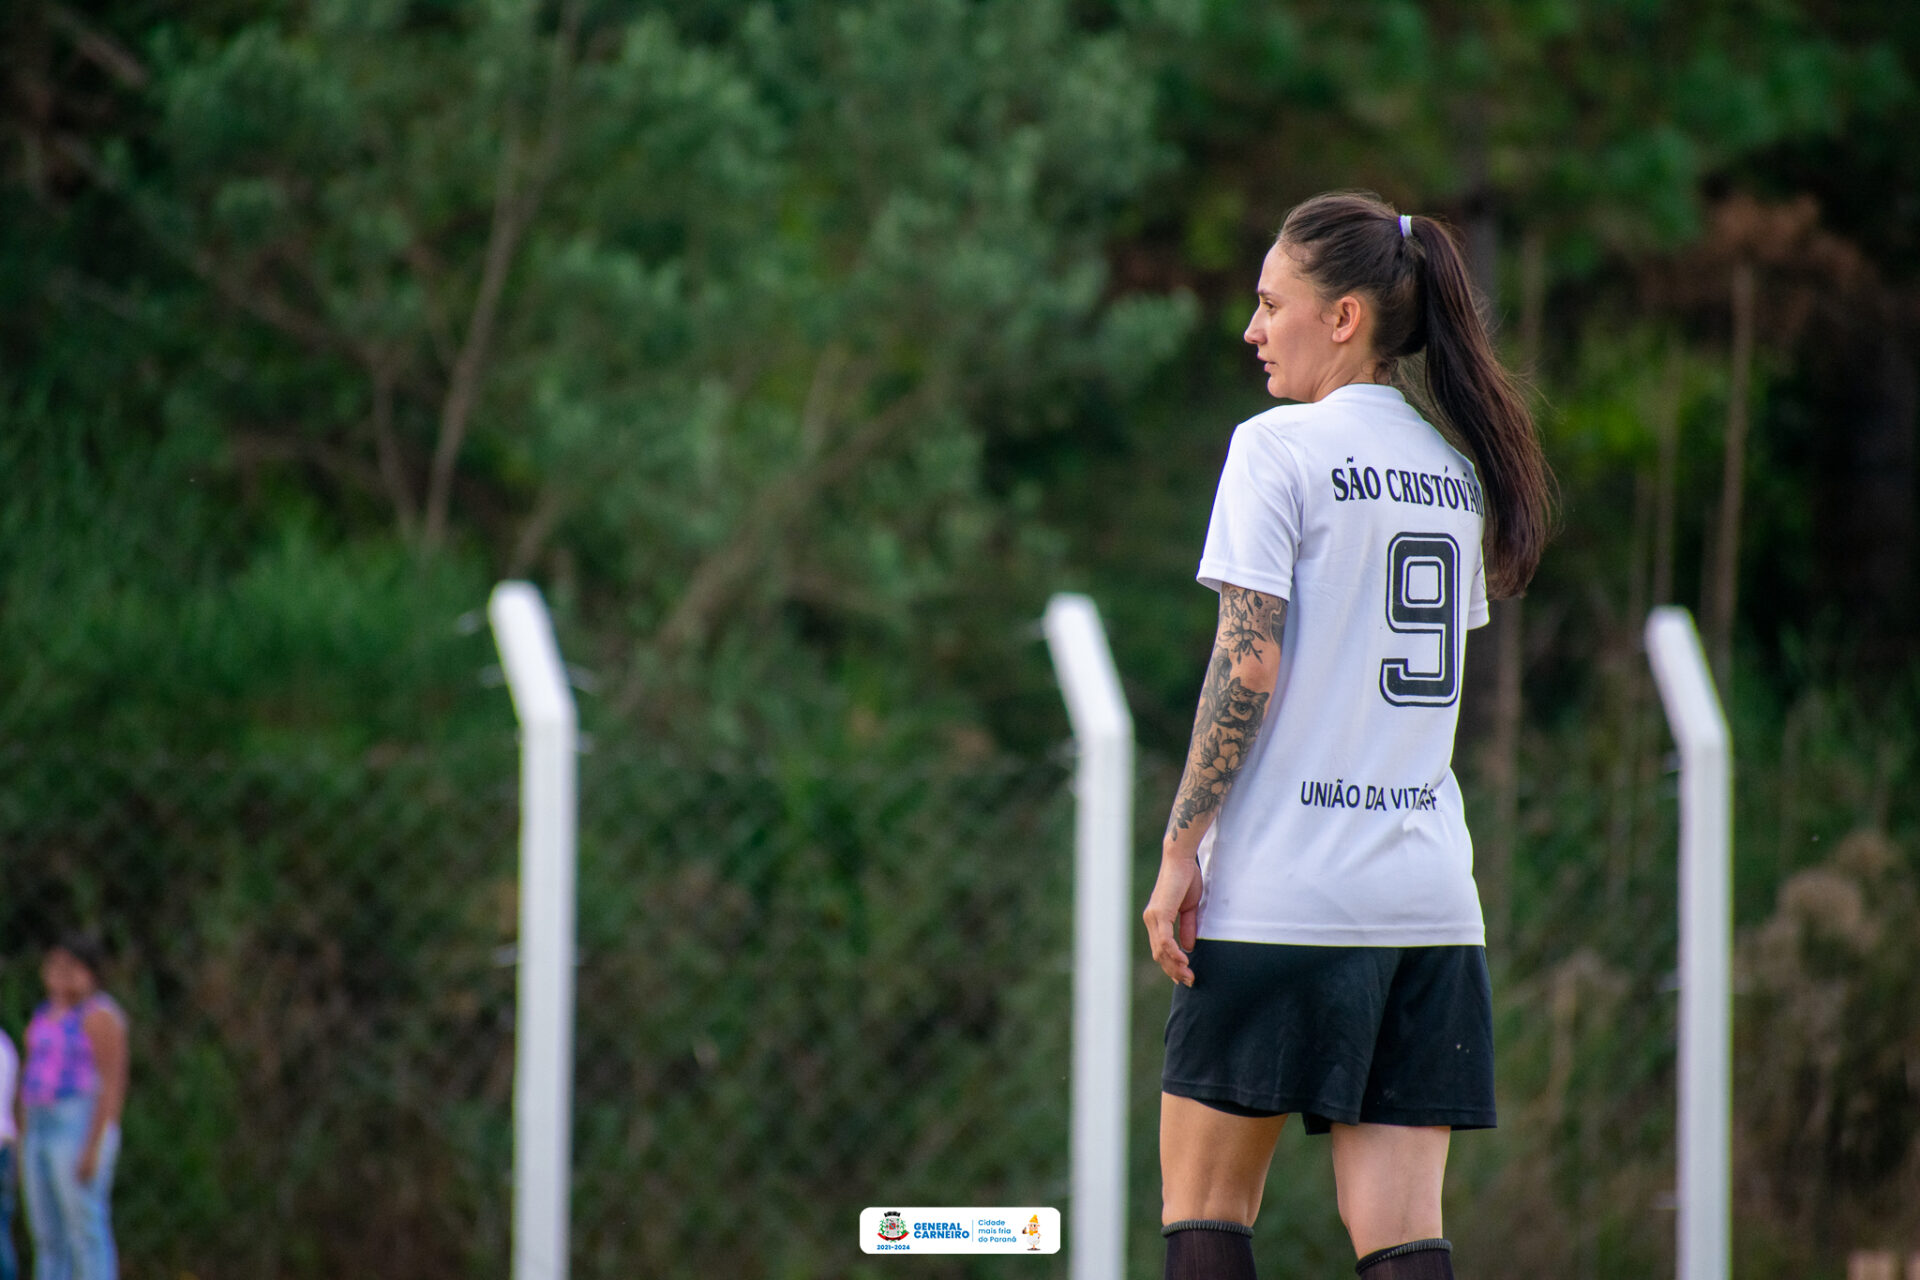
column 1241, row 676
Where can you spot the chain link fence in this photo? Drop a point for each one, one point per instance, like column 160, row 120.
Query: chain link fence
column 798, row 993
column 802, row 990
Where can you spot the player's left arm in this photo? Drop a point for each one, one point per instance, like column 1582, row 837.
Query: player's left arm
column 1241, row 676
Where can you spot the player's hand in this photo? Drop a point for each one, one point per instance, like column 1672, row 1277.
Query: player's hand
column 1172, row 916
column 88, row 1164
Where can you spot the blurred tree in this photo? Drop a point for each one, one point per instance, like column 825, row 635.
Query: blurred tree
column 709, row 326
column 1804, row 270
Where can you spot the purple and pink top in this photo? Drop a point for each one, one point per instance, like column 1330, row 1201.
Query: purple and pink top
column 59, row 1056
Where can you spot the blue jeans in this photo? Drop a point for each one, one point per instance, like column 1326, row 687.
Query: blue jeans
column 9, row 1261
column 72, row 1234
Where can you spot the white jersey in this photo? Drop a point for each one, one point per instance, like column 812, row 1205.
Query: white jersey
column 1344, row 827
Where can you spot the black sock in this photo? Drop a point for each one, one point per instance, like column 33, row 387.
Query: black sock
column 1208, row 1249
column 1414, row 1260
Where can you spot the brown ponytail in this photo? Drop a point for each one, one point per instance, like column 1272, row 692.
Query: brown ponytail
column 1351, row 243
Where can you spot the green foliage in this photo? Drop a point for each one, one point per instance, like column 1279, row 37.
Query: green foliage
column 796, row 985
column 143, row 635
column 762, row 295
column 1826, row 855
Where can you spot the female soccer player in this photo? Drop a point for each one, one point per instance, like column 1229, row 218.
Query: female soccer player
column 1316, row 903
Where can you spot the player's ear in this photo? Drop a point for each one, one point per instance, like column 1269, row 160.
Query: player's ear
column 1348, row 312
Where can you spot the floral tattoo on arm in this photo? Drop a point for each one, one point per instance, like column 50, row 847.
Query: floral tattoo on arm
column 1248, row 621
column 1230, row 713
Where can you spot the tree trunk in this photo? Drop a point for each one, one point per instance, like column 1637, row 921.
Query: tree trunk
column 1501, row 762
column 517, row 191
column 1647, row 731
column 1723, row 579
column 1629, row 680
column 1666, row 435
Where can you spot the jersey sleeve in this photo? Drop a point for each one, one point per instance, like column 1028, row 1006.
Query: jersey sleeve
column 1254, row 534
column 1478, row 614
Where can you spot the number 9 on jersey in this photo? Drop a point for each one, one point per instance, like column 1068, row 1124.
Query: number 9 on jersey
column 1423, row 599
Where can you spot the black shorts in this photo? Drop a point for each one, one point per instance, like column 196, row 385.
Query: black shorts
column 1342, row 1035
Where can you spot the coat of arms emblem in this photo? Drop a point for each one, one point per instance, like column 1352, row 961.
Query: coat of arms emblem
column 892, row 1225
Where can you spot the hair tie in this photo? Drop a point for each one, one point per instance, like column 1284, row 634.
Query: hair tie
column 1406, row 225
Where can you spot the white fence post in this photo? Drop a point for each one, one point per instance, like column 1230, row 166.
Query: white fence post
column 1102, row 914
column 543, row 1019
column 1706, row 1021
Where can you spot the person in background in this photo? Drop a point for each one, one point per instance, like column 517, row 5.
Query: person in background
column 72, row 1091
column 9, row 1136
